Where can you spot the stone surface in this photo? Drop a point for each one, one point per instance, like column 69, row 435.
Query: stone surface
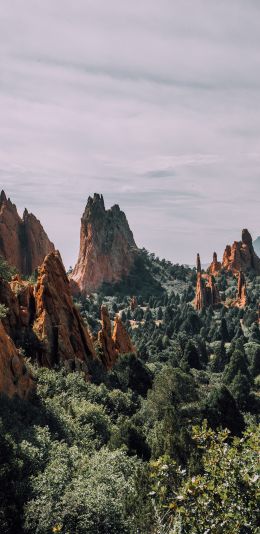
column 23, row 241
column 121, row 338
column 108, row 354
column 241, row 300
column 241, row 256
column 15, row 378
column 206, row 290
column 58, row 324
column 113, row 343
column 215, row 266
column 107, row 247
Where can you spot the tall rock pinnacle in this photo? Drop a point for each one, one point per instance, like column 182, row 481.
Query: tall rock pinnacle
column 107, row 247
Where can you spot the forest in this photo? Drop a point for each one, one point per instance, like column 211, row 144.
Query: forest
column 165, row 442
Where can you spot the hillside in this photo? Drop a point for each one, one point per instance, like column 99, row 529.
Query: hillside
column 115, row 405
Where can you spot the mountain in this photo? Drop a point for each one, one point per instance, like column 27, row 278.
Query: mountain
column 256, row 245
column 23, row 241
column 107, row 247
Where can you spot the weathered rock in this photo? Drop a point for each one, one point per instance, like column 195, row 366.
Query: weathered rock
column 15, row 378
column 108, row 351
column 206, row 290
column 107, row 247
column 23, row 242
column 215, row 266
column 113, row 344
column 121, row 338
column 58, row 324
column 241, row 299
column 241, row 256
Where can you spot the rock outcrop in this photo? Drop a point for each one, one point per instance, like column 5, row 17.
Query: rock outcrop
column 121, row 338
column 107, row 247
column 23, row 241
column 113, row 343
column 15, row 378
column 215, row 266
column 241, row 256
column 58, row 324
column 206, row 290
column 241, row 300
column 108, row 351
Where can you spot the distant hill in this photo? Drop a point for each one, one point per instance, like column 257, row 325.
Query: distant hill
column 256, row 244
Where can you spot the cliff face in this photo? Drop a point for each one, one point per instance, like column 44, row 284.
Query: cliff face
column 15, row 378
column 121, row 338
column 107, row 247
column 241, row 256
column 23, row 241
column 113, row 343
column 58, row 324
column 206, row 290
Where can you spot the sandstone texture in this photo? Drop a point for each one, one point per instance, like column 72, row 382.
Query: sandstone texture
column 121, row 338
column 15, row 378
column 23, row 241
column 113, row 343
column 215, row 266
column 107, row 247
column 206, row 290
column 241, row 300
column 241, row 256
column 58, row 324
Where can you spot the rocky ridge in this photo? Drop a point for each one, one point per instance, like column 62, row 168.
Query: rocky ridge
column 23, row 241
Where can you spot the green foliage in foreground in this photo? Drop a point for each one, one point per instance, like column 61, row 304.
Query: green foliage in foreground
column 222, row 497
column 75, row 460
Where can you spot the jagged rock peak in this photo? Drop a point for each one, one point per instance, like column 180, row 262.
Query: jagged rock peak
column 198, row 263
column 121, row 338
column 107, row 247
column 241, row 255
column 246, row 237
column 58, row 324
column 23, row 241
column 113, row 343
column 215, row 266
column 206, row 290
column 3, row 197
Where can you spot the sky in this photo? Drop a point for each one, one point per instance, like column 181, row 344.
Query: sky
column 154, row 104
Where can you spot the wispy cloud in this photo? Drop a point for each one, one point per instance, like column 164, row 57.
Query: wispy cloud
column 155, row 104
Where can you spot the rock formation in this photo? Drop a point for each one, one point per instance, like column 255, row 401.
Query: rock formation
column 107, row 247
column 121, row 338
column 23, row 241
column 241, row 256
column 15, row 378
column 206, row 290
column 58, row 324
column 113, row 344
column 106, row 342
column 241, row 299
column 215, row 266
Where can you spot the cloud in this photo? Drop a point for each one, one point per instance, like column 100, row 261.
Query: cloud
column 154, row 104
